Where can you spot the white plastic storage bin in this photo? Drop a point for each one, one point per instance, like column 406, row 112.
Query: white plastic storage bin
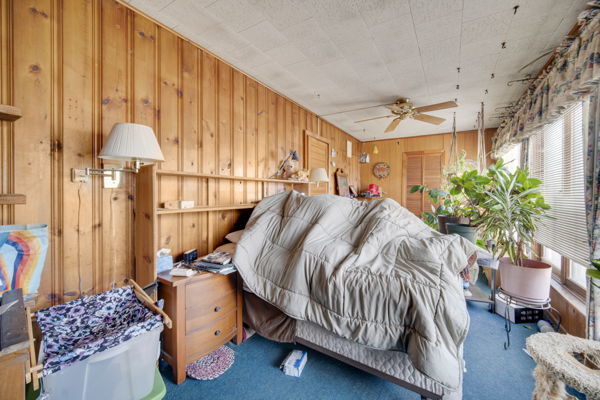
column 124, row 372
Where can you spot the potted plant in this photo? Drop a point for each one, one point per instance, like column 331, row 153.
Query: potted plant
column 469, row 188
column 459, row 208
column 442, row 208
column 514, row 206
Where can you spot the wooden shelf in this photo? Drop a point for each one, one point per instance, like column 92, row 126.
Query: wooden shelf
column 12, row 198
column 9, row 113
column 162, row 211
column 229, row 177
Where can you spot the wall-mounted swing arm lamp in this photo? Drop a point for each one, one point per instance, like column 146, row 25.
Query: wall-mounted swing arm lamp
column 127, row 142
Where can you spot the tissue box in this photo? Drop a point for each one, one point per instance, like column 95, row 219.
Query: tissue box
column 164, row 263
column 294, row 363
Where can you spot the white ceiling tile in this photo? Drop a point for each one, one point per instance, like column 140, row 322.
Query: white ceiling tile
column 393, row 50
column 284, row 13
column 286, row 55
column 307, row 73
column 334, row 11
column 236, row 14
column 375, row 12
column 187, row 15
column 319, row 53
column 220, row 37
column 428, row 10
column 442, row 51
column 474, row 9
column 347, row 31
column 250, row 56
column 444, row 27
column 339, row 55
column 493, row 26
column 263, row 36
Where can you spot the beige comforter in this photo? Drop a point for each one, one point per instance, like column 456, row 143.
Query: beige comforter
column 370, row 272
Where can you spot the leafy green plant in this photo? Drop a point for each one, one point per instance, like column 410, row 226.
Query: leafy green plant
column 594, row 272
column 442, row 204
column 463, row 198
column 514, row 205
column 470, row 190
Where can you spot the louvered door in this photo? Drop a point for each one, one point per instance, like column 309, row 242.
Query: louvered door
column 421, row 168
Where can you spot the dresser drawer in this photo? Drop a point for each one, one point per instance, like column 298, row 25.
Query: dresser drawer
column 213, row 286
column 209, row 311
column 208, row 339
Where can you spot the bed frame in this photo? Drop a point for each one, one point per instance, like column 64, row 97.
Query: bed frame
column 425, row 394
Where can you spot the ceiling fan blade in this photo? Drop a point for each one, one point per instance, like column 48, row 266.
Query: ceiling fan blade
column 429, row 118
column 392, row 125
column 371, row 119
column 438, row 106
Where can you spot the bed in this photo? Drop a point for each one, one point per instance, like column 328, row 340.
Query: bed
column 366, row 283
column 394, row 366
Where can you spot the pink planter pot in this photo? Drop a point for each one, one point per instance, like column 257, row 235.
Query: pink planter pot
column 530, row 281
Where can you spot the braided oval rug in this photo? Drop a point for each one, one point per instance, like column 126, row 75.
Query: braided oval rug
column 212, row 365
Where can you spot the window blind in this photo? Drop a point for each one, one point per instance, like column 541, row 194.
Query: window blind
column 556, row 157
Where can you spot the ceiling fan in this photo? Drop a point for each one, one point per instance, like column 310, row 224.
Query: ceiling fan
column 403, row 108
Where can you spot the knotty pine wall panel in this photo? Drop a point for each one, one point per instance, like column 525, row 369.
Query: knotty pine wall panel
column 392, row 150
column 77, row 67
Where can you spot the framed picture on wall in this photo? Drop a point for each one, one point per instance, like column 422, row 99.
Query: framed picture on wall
column 348, row 149
column 341, row 179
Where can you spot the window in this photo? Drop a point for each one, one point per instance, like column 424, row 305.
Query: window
column 553, row 258
column 556, row 157
column 577, row 274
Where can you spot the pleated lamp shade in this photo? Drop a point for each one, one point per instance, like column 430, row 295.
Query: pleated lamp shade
column 132, row 142
column 318, row 175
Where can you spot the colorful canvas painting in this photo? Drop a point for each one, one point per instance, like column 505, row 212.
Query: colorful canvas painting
column 22, row 256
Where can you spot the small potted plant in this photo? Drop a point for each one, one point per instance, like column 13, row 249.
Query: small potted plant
column 442, row 208
column 459, row 208
column 514, row 206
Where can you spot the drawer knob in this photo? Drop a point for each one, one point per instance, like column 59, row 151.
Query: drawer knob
column 217, row 309
column 217, row 332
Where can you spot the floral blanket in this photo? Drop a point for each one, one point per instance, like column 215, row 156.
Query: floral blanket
column 77, row 330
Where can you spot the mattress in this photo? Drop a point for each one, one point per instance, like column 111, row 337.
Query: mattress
column 393, row 363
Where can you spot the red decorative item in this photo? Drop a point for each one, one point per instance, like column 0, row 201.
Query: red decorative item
column 374, row 189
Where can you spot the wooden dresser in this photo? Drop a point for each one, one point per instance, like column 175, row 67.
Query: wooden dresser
column 206, row 310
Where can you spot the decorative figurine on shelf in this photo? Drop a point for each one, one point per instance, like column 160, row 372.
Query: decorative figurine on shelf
column 289, row 166
column 300, row 176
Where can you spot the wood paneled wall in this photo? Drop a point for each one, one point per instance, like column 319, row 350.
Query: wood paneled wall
column 392, row 150
column 75, row 68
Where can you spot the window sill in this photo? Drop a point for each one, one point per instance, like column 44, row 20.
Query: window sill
column 574, row 299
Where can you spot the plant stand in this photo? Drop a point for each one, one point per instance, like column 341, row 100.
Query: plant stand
column 478, row 295
column 544, row 305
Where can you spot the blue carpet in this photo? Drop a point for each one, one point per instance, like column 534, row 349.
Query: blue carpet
column 492, row 372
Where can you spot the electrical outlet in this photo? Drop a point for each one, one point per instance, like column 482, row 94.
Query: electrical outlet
column 79, row 176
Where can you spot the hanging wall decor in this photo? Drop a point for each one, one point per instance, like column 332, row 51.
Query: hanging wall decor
column 364, row 158
column 381, row 170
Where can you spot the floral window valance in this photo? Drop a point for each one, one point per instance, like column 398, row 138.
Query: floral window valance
column 573, row 75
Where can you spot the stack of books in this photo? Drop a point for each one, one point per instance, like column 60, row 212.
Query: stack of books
column 218, row 262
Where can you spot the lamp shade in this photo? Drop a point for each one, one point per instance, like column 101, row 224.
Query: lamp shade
column 132, row 142
column 318, row 175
